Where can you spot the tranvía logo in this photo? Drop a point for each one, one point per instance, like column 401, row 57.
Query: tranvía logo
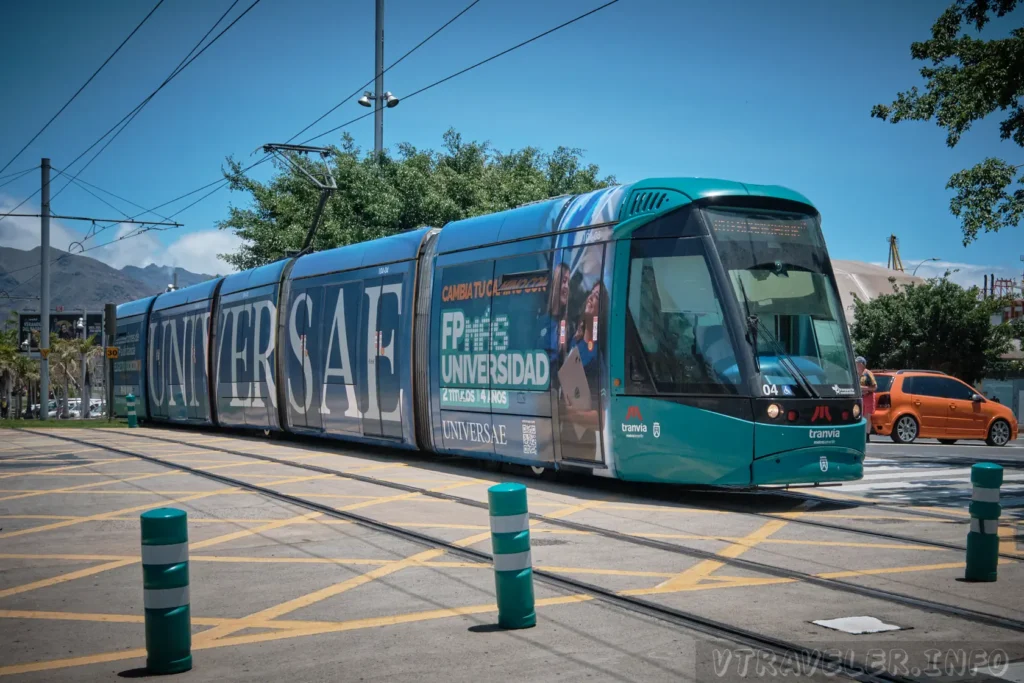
column 634, row 414
column 821, row 413
column 823, row 463
column 842, row 391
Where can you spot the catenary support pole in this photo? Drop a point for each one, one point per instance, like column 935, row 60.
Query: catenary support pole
column 44, row 294
column 110, row 332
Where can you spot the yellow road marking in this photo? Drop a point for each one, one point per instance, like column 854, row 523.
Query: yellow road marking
column 51, row 470
column 70, row 576
column 701, row 570
column 270, row 526
column 317, row 596
column 659, row 508
column 310, row 456
column 82, row 486
column 73, row 558
column 107, row 515
column 139, row 619
column 787, row 541
column 473, row 540
column 326, row 627
column 42, row 456
column 378, row 501
column 56, row 473
column 565, row 512
column 376, row 467
column 889, row 570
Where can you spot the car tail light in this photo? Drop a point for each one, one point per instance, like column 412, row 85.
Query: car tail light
column 884, row 401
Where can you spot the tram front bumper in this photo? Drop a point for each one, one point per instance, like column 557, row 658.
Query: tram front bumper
column 812, row 465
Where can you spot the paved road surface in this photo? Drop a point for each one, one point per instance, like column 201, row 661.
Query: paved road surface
column 930, row 474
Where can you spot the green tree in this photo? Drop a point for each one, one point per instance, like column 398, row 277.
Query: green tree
column 967, row 80
column 937, row 325
column 413, row 189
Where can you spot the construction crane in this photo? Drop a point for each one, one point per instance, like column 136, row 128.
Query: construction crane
column 895, row 262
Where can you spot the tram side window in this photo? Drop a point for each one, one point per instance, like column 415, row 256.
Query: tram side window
column 677, row 341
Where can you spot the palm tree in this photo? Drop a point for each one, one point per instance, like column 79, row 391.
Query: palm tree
column 8, row 358
column 88, row 351
column 63, row 368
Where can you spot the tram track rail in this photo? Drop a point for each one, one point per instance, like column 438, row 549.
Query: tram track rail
column 569, row 525
column 680, row 618
column 923, row 604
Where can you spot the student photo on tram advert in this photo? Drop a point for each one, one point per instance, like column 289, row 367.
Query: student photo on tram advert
column 581, row 299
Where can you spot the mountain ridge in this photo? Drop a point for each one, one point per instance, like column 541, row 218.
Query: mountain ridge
column 79, row 282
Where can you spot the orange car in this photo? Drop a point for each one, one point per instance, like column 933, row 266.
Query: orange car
column 921, row 403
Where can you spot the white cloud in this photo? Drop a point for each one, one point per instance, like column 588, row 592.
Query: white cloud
column 964, row 274
column 23, row 233
column 194, row 251
column 198, row 251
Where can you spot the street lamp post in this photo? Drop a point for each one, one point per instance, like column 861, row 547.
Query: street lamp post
column 921, row 264
column 379, row 100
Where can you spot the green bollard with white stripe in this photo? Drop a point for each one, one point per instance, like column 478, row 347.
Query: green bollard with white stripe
column 983, row 539
column 513, row 566
column 133, row 418
column 166, row 596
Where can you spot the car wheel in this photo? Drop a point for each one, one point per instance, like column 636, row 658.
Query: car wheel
column 905, row 430
column 947, row 442
column 998, row 433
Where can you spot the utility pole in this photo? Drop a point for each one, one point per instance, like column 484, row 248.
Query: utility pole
column 44, row 295
column 378, row 86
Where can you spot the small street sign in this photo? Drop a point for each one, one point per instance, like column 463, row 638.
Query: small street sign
column 45, row 353
column 60, row 309
column 111, row 352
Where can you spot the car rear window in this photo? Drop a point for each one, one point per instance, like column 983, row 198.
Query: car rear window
column 884, row 382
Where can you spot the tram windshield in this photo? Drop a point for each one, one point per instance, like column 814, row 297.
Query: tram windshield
column 778, row 268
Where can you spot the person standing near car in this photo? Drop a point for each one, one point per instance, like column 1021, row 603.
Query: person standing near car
column 868, row 386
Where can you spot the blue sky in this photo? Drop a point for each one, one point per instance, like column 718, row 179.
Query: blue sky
column 760, row 92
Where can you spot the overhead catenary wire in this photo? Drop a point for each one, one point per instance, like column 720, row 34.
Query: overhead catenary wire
column 182, row 65
column 143, row 103
column 385, row 70
column 17, row 176
column 478, row 64
column 19, row 173
column 83, row 86
column 119, row 197
column 223, row 182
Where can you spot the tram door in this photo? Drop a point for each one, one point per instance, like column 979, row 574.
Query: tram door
column 580, row 354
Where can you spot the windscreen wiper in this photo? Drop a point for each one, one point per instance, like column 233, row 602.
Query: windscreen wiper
column 781, row 354
column 751, row 328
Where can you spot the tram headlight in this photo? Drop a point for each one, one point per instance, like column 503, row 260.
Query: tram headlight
column 856, row 411
column 774, row 410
